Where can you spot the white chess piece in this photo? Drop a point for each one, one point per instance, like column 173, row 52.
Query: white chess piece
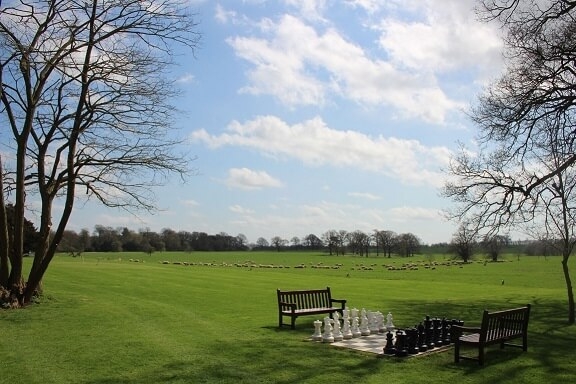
column 354, row 313
column 373, row 322
column 317, row 336
column 380, row 322
column 355, row 327
column 364, row 329
column 328, row 335
column 338, row 336
column 390, row 321
column 346, row 330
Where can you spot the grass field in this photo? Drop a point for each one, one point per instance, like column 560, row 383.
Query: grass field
column 105, row 319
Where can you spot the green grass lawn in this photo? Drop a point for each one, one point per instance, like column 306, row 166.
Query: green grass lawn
column 105, row 319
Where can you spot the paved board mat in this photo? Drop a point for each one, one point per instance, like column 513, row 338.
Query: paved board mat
column 375, row 344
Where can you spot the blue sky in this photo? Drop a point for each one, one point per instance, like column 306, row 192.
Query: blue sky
column 312, row 115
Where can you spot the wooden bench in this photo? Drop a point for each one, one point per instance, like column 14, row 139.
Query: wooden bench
column 497, row 328
column 306, row 302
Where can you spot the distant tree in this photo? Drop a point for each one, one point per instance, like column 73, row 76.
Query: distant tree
column 106, row 239
column 295, row 242
column 262, row 243
column 332, row 240
column 313, row 242
column 494, row 244
column 359, row 242
column 464, row 242
column 407, row 244
column 278, row 243
column 171, row 240
column 386, row 241
column 242, row 241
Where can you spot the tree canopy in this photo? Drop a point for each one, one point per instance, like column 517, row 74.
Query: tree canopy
column 521, row 174
column 85, row 95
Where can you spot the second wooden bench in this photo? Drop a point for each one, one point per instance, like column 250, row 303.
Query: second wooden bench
column 306, row 302
column 497, row 328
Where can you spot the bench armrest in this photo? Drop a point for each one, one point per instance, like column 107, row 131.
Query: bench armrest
column 341, row 301
column 459, row 329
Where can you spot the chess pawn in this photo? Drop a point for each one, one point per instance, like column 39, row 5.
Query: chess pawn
column 328, row 335
column 364, row 327
column 338, row 336
column 389, row 349
column 429, row 331
column 355, row 327
column 390, row 322
column 346, row 330
column 317, row 336
column 373, row 322
column 380, row 322
column 445, row 331
column 437, row 332
column 353, row 313
column 422, row 338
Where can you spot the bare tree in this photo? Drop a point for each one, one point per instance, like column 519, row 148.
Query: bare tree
column 278, row 243
column 386, row 241
column 464, row 242
column 85, row 96
column 407, row 244
column 522, row 173
column 493, row 245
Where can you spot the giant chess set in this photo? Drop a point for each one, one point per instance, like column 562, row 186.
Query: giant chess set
column 373, row 332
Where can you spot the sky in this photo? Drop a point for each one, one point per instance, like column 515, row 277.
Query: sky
column 311, row 115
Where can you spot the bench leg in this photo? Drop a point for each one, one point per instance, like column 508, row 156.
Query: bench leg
column 457, row 352
column 293, row 322
column 481, row 355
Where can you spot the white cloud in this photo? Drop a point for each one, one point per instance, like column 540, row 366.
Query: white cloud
column 240, row 210
column 314, row 143
column 186, row 78
column 409, row 214
column 244, row 178
column 370, row 6
column 443, row 37
column 364, row 195
column 303, row 63
column 299, row 65
column 190, row 203
column 309, row 9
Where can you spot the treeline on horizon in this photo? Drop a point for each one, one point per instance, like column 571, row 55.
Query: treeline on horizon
column 379, row 243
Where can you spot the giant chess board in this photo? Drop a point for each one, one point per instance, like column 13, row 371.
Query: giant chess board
column 375, row 344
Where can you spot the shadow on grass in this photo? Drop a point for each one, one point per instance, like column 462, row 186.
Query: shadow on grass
column 282, row 363
column 284, row 356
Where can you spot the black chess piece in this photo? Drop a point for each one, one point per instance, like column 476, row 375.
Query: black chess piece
column 401, row 347
column 412, row 335
column 437, row 332
column 445, row 331
column 389, row 349
column 422, row 338
column 429, row 332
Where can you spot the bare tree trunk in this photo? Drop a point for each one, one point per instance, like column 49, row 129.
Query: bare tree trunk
column 4, row 243
column 571, row 306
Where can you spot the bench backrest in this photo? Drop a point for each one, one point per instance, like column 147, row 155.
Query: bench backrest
column 314, row 298
column 502, row 324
